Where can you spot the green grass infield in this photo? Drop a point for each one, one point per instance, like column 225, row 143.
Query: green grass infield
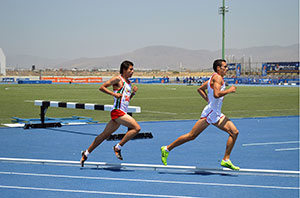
column 158, row 102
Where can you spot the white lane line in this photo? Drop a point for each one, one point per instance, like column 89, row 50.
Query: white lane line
column 136, row 166
column 150, row 181
column 92, row 192
column 270, row 143
column 160, row 112
column 287, row 149
column 31, row 101
column 260, row 110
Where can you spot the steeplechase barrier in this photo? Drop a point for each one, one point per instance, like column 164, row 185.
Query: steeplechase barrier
column 44, row 105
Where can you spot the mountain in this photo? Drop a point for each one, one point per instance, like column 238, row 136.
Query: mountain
column 153, row 57
column 163, row 57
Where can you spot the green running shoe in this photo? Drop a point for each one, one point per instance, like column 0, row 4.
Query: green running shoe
column 164, row 155
column 229, row 164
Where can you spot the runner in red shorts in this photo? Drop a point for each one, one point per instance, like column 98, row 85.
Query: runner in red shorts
column 122, row 94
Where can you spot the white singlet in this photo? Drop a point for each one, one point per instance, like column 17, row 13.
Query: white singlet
column 123, row 102
column 212, row 111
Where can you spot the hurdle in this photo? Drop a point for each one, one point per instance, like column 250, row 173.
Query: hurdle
column 45, row 104
column 154, row 167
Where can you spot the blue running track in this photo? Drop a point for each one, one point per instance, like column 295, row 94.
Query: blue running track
column 263, row 143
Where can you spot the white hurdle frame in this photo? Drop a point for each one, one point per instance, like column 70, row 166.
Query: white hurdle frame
column 45, row 104
column 87, row 106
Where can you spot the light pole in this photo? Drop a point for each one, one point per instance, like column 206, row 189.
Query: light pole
column 222, row 11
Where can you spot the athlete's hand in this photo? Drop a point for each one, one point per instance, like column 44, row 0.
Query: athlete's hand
column 135, row 89
column 232, row 89
column 117, row 95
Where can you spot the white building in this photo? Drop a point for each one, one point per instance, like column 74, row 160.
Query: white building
column 2, row 63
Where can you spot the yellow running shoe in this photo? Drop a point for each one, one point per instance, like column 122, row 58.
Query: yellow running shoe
column 164, row 155
column 229, row 164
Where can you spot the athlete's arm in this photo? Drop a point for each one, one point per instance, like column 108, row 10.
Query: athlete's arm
column 202, row 92
column 217, row 84
column 134, row 90
column 114, row 81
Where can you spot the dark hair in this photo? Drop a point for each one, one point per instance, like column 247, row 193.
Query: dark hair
column 218, row 63
column 125, row 65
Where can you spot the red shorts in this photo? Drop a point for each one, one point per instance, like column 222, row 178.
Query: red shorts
column 116, row 113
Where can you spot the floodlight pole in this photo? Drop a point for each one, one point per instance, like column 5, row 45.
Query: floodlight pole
column 222, row 11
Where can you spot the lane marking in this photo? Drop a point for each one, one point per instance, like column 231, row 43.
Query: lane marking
column 92, row 192
column 160, row 112
column 270, row 143
column 287, row 149
column 151, row 181
column 260, row 110
column 148, row 166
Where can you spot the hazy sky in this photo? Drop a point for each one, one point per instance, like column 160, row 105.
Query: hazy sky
column 97, row 28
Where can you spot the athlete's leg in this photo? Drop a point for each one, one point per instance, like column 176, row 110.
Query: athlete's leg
column 111, row 127
column 227, row 125
column 133, row 127
column 196, row 130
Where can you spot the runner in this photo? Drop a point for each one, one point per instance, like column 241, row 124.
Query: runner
column 211, row 114
column 122, row 94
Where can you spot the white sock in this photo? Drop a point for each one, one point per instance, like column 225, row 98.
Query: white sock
column 166, row 149
column 86, row 153
column 118, row 146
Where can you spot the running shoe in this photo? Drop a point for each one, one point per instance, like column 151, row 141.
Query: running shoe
column 118, row 153
column 229, row 164
column 164, row 155
column 83, row 158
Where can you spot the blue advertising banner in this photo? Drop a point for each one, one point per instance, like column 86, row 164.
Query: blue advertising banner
column 280, row 67
column 149, row 80
column 238, row 69
column 8, row 80
column 235, row 67
column 261, row 81
column 231, row 66
column 264, row 69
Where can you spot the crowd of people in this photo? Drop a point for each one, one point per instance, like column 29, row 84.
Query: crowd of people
column 190, row 80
